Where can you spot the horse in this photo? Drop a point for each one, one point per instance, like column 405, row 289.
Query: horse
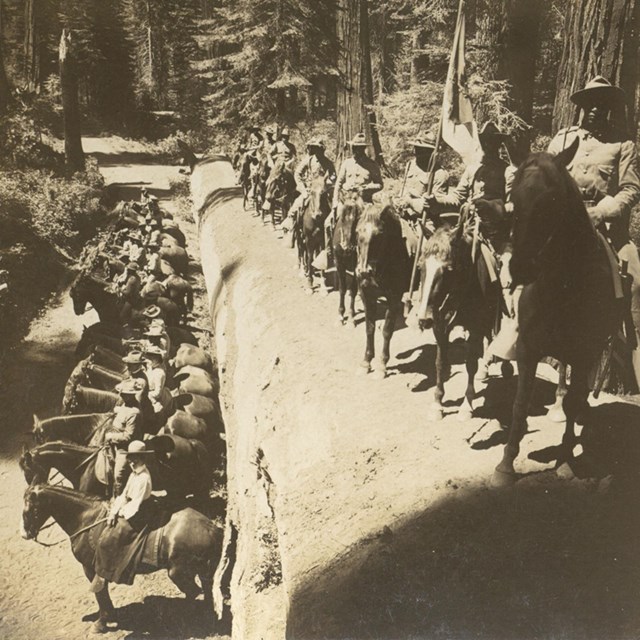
column 189, row 544
column 107, row 358
column 383, row 269
column 177, row 257
column 102, row 378
column 314, row 212
column 184, row 469
column 345, row 244
column 456, row 291
column 568, row 306
column 280, row 191
column 81, row 399
column 88, row 289
column 78, row 428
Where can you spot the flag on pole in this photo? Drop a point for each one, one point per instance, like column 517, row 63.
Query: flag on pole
column 459, row 129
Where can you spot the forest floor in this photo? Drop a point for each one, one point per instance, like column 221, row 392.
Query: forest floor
column 43, row 591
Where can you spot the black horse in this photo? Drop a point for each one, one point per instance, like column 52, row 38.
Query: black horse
column 568, row 307
column 345, row 246
column 383, row 269
column 456, row 291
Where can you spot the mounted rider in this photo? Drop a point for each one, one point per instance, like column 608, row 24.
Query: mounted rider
column 359, row 175
column 483, row 197
column 605, row 169
column 125, row 426
column 313, row 165
column 413, row 201
column 128, row 515
column 282, row 150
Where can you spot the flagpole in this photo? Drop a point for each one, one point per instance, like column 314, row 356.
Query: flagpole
column 432, row 170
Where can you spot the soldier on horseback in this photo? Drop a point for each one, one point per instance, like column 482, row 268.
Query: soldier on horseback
column 125, row 427
column 358, row 175
column 283, row 150
column 605, row 169
column 313, row 165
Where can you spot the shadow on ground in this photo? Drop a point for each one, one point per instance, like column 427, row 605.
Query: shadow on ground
column 544, row 559
column 161, row 617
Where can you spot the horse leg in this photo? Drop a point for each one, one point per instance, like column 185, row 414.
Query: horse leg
column 309, row 266
column 352, row 300
column 435, row 412
column 556, row 412
column 206, row 580
column 369, row 300
column 184, row 580
column 574, row 403
column 342, row 288
column 474, row 351
column 393, row 306
column 504, row 473
column 106, row 610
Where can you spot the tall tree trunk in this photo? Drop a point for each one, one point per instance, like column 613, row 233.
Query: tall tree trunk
column 419, row 59
column 31, row 48
column 355, row 93
column 601, row 38
column 508, row 35
column 6, row 96
column 69, row 86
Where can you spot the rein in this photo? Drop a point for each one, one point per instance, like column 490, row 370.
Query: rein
column 71, row 537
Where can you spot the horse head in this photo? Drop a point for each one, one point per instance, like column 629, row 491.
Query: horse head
column 378, row 231
column 33, row 515
column 550, row 216
column 437, row 269
column 33, row 472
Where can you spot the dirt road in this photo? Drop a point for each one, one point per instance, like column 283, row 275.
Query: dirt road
column 43, row 591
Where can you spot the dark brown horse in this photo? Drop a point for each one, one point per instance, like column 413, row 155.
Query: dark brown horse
column 345, row 243
column 190, row 543
column 456, row 291
column 568, row 307
column 314, row 213
column 383, row 270
column 81, row 399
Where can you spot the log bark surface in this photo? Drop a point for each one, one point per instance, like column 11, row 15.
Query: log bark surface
column 74, row 155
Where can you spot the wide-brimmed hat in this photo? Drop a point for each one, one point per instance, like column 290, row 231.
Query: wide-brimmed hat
column 130, row 387
column 157, row 322
column 359, row 140
column 152, row 311
column 155, row 330
column 425, row 141
column 133, row 266
column 152, row 350
column 285, row 132
column 598, row 89
column 137, row 448
column 490, row 128
column 133, row 357
column 315, row 142
column 271, row 130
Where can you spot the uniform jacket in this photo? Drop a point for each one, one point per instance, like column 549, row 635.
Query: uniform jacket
column 312, row 167
column 126, row 425
column 481, row 180
column 607, row 175
column 354, row 173
column 282, row 150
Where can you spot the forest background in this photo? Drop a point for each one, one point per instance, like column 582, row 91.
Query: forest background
column 202, row 70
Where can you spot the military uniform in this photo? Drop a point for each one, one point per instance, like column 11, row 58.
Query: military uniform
column 417, row 184
column 282, row 150
column 310, row 168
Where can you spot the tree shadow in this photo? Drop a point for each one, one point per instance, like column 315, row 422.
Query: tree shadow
column 544, row 559
column 164, row 617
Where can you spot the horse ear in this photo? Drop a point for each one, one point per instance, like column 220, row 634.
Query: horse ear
column 564, row 158
column 36, row 421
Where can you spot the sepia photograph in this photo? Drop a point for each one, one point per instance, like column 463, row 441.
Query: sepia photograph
column 320, row 319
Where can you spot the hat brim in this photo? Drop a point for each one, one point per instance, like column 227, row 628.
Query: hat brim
column 358, row 144
column 615, row 95
column 138, row 453
column 423, row 145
